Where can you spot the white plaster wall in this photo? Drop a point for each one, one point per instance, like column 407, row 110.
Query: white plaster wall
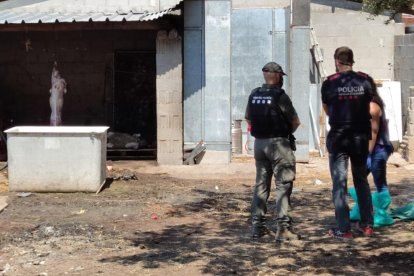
column 337, row 24
column 244, row 4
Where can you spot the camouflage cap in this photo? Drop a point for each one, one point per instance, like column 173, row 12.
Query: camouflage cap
column 273, row 67
column 344, row 55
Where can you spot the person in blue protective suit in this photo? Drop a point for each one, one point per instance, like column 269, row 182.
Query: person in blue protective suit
column 380, row 148
column 346, row 97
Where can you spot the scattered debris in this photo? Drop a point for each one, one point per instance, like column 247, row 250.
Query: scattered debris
column 317, row 182
column 42, row 255
column 5, row 269
column 3, row 202
column 125, row 177
column 78, row 268
column 24, row 194
column 195, row 155
column 81, row 211
column 117, row 140
column 39, row 262
column 49, row 230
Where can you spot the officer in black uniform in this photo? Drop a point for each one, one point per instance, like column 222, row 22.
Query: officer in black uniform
column 273, row 119
column 346, row 96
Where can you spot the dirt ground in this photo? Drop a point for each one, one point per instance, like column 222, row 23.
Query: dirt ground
column 194, row 220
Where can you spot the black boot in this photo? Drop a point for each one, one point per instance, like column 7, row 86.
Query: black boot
column 258, row 227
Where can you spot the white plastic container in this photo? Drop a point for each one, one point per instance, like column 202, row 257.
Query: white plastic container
column 56, row 159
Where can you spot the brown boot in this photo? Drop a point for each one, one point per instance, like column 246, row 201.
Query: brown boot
column 286, row 234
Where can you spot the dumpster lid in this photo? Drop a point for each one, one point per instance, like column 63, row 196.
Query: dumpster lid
column 57, row 129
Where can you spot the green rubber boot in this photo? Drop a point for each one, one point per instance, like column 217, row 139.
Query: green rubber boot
column 354, row 214
column 381, row 202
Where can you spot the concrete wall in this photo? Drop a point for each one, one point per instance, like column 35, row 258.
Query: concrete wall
column 207, row 77
column 193, row 72
column 404, row 69
column 83, row 59
column 217, row 116
column 339, row 23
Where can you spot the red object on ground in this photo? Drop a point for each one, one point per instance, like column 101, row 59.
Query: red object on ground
column 154, row 217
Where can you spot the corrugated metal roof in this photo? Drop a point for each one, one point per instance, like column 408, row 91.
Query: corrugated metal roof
column 50, row 11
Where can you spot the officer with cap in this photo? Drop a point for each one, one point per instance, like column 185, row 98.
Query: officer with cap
column 346, row 98
column 273, row 119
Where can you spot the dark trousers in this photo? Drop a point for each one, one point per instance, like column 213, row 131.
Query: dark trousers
column 342, row 149
column 273, row 157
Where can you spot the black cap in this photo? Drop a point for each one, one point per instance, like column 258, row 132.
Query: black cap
column 273, row 67
column 344, row 55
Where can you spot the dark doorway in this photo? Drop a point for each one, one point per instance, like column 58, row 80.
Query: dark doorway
column 135, row 102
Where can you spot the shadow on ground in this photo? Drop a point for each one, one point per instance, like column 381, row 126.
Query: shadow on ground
column 223, row 243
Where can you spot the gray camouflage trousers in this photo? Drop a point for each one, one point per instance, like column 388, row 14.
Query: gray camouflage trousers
column 273, row 157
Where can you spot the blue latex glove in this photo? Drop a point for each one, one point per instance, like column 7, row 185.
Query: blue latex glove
column 369, row 162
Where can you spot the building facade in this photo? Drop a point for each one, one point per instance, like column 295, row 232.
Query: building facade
column 178, row 72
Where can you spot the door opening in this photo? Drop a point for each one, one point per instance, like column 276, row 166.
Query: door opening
column 134, row 129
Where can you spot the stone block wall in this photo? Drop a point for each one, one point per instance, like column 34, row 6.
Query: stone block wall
column 404, row 72
column 407, row 145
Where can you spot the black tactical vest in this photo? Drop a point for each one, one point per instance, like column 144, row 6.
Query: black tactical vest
column 348, row 97
column 267, row 120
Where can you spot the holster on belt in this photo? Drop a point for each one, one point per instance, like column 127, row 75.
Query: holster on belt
column 292, row 142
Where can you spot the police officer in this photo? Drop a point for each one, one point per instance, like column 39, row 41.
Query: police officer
column 272, row 118
column 346, row 97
